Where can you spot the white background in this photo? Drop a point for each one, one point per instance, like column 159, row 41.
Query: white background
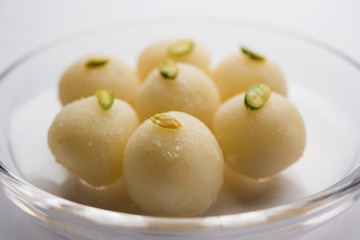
column 25, row 25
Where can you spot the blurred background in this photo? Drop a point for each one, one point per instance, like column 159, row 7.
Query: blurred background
column 25, row 25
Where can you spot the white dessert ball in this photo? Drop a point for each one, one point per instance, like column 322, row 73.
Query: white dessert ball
column 238, row 72
column 89, row 141
column 91, row 73
column 259, row 143
column 181, row 50
column 191, row 91
column 173, row 165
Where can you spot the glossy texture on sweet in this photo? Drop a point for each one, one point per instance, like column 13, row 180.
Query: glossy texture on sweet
column 192, row 91
column 90, row 141
column 260, row 143
column 238, row 72
column 153, row 55
column 91, row 73
column 173, row 172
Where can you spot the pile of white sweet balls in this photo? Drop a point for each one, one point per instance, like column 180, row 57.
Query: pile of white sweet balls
column 169, row 128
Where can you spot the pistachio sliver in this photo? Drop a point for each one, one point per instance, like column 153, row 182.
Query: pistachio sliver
column 181, row 48
column 168, row 69
column 105, row 99
column 256, row 96
column 165, row 121
column 94, row 63
column 252, row 55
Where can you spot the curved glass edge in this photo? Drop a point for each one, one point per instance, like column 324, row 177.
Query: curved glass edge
column 3, row 168
column 301, row 211
column 293, row 214
column 179, row 19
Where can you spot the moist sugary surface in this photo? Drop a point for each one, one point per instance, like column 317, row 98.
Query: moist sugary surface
column 236, row 73
column 152, row 56
column 115, row 76
column 90, row 142
column 263, row 142
column 192, row 91
column 173, row 171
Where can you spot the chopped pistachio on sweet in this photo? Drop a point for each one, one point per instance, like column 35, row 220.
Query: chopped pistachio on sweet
column 105, row 99
column 256, row 96
column 165, row 121
column 94, row 63
column 181, row 48
column 168, row 69
column 252, row 55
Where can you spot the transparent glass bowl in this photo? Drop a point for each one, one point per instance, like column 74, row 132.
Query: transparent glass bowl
column 323, row 84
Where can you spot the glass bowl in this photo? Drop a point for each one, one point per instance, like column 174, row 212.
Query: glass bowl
column 323, row 84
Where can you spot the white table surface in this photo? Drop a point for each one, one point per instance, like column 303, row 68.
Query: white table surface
column 25, row 25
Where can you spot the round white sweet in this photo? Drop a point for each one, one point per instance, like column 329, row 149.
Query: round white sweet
column 173, row 172
column 152, row 56
column 192, row 91
column 89, row 141
column 80, row 81
column 237, row 72
column 263, row 142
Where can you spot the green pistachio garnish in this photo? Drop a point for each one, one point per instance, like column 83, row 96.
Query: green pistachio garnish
column 252, row 55
column 94, row 63
column 181, row 48
column 256, row 96
column 168, row 69
column 105, row 99
column 165, row 121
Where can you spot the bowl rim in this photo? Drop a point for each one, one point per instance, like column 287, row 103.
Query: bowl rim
column 293, row 213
